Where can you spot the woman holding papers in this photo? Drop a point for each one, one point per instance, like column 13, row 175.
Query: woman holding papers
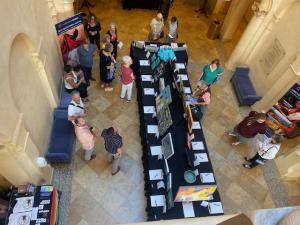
column 112, row 32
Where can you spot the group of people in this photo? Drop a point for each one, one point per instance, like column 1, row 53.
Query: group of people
column 78, row 73
column 251, row 126
column 87, row 136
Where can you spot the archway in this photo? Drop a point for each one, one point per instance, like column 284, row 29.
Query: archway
column 31, row 90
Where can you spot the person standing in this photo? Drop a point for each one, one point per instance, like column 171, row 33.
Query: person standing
column 127, row 78
column 267, row 150
column 211, row 72
column 106, row 67
column 113, row 145
column 74, row 82
column 156, row 28
column 164, row 7
column 172, row 32
column 76, row 107
column 86, row 138
column 251, row 125
column 93, row 29
column 85, row 54
column 112, row 32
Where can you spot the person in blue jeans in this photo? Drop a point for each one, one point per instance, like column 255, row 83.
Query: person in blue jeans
column 85, row 54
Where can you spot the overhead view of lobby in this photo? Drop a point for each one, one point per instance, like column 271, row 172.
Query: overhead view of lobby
column 150, row 112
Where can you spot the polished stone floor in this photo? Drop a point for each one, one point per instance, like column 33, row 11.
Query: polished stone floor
column 97, row 198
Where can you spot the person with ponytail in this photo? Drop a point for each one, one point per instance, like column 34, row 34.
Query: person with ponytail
column 249, row 127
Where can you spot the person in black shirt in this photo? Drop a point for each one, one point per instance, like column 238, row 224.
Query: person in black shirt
column 113, row 145
column 112, row 32
column 106, row 67
column 93, row 28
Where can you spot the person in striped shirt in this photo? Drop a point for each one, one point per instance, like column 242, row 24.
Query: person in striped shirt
column 113, row 145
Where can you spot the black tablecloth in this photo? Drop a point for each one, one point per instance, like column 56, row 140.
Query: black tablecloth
column 178, row 162
column 143, row 4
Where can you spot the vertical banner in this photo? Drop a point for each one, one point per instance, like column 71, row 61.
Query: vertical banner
column 70, row 33
column 284, row 116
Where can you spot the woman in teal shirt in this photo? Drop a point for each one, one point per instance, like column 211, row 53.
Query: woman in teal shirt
column 211, row 72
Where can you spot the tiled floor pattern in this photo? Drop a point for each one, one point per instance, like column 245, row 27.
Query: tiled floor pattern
column 98, row 198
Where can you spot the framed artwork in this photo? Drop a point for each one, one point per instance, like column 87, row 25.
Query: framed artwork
column 167, row 146
column 164, row 120
column 189, row 117
column 195, row 193
column 164, row 98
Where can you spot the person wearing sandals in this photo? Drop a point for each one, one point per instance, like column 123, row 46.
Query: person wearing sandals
column 266, row 150
column 106, row 67
column 251, row 125
column 127, row 78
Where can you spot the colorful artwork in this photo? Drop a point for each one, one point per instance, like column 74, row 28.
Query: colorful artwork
column 164, row 119
column 167, row 146
column 163, row 99
column 189, row 117
column 70, row 34
column 195, row 193
column 284, row 116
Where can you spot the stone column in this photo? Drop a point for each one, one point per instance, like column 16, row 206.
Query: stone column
column 233, row 18
column 64, row 8
column 251, row 35
column 289, row 165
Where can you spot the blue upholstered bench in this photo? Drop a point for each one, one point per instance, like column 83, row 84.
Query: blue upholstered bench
column 243, row 87
column 65, row 99
column 62, row 138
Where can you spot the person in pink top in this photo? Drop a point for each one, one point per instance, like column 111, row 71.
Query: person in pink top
column 86, row 138
column 127, row 78
column 201, row 97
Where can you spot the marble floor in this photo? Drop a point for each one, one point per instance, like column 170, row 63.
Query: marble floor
column 97, row 198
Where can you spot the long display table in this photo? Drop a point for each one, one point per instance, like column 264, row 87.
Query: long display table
column 177, row 163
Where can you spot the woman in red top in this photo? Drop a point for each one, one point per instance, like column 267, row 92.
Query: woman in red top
column 127, row 78
column 252, row 125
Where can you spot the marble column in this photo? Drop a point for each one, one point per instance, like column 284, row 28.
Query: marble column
column 253, row 33
column 233, row 18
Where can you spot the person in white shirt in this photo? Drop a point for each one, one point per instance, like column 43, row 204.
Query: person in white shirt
column 156, row 28
column 266, row 150
column 76, row 107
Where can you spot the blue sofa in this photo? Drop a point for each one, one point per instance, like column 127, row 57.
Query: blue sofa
column 62, row 138
column 65, row 99
column 243, row 87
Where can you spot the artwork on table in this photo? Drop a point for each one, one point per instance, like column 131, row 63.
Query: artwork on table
column 163, row 99
column 189, row 117
column 167, row 146
column 195, row 193
column 170, row 199
column 159, row 71
column 155, row 63
column 164, row 120
column 284, row 116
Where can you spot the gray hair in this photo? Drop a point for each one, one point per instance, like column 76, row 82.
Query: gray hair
column 127, row 59
column 112, row 24
column 75, row 92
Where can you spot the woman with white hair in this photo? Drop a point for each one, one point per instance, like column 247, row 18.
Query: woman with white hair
column 127, row 78
column 112, row 32
column 156, row 28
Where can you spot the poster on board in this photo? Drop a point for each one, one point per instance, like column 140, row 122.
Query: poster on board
column 284, row 116
column 70, row 34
